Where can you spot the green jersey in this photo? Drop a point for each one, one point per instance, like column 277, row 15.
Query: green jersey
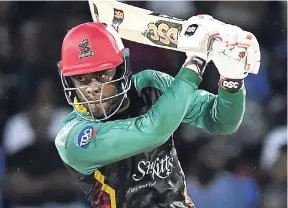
column 130, row 161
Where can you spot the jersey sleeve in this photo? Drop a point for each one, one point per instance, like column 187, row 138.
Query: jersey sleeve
column 222, row 113
column 90, row 145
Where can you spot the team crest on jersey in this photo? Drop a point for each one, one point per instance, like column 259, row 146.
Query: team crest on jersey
column 85, row 49
column 85, row 136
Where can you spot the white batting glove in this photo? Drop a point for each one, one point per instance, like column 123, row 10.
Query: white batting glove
column 196, row 38
column 240, row 54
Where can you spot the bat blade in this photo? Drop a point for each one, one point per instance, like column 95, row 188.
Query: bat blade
column 137, row 24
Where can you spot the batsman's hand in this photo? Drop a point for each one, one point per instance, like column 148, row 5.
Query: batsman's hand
column 196, row 39
column 239, row 56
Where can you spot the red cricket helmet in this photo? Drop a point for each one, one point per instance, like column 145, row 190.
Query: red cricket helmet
column 92, row 47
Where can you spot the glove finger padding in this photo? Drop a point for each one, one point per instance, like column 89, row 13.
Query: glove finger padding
column 240, row 56
column 245, row 40
column 230, row 64
column 248, row 40
column 197, row 35
column 253, row 55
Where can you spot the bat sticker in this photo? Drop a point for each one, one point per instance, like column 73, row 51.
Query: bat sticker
column 118, row 18
column 163, row 33
column 191, row 30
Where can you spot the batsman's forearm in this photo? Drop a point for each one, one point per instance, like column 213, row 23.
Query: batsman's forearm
column 220, row 114
column 228, row 111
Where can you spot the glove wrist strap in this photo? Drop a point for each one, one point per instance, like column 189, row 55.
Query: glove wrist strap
column 196, row 63
column 231, row 85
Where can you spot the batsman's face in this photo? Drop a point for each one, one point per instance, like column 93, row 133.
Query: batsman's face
column 90, row 88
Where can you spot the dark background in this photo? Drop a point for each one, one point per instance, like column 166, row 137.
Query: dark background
column 247, row 169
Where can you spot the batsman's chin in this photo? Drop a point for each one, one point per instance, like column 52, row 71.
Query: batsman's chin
column 97, row 102
column 98, row 108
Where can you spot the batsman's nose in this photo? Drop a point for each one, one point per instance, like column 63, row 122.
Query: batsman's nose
column 93, row 90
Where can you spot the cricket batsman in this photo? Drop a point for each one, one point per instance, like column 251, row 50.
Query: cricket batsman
column 118, row 140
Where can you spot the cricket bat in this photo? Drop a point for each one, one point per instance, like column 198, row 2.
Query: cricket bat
column 137, row 24
column 142, row 25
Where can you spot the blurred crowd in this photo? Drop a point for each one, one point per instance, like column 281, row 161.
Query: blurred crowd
column 247, row 169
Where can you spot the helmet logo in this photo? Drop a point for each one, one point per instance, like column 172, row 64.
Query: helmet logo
column 85, row 49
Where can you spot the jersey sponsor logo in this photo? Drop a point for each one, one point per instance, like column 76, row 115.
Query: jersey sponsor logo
column 140, row 187
column 160, row 167
column 85, row 136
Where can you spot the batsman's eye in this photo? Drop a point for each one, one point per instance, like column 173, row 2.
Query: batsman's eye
column 101, row 76
column 80, row 79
